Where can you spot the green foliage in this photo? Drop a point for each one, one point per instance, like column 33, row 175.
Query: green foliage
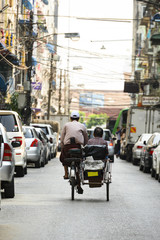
column 96, row 120
column 82, row 117
column 13, row 105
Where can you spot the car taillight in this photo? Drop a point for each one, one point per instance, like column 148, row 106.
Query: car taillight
column 51, row 141
column 34, row 143
column 18, row 139
column 139, row 147
column 7, row 156
column 111, row 144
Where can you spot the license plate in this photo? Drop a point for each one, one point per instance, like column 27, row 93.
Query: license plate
column 92, row 174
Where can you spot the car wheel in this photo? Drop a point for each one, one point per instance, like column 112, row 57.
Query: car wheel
column 38, row 164
column 43, row 163
column 25, row 170
column 146, row 170
column 140, row 167
column 111, row 158
column 19, row 171
column 153, row 172
column 9, row 190
column 156, row 176
column 55, row 154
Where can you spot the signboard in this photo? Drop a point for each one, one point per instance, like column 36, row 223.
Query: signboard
column 91, row 99
column 36, row 85
column 149, row 100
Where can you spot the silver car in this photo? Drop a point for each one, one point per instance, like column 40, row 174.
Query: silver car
column 45, row 144
column 34, row 147
column 51, row 135
column 106, row 136
column 8, row 163
column 137, row 149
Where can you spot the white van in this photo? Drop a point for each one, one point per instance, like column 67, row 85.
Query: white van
column 12, row 122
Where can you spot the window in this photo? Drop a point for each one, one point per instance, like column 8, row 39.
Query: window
column 9, row 122
column 28, row 133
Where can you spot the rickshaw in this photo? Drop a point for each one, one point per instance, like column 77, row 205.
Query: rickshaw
column 90, row 166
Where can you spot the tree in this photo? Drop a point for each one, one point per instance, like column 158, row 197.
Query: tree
column 13, row 102
column 96, row 120
column 82, row 117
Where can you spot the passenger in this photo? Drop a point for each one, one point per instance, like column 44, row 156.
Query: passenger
column 97, row 139
column 71, row 130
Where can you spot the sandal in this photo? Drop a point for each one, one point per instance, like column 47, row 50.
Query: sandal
column 65, row 177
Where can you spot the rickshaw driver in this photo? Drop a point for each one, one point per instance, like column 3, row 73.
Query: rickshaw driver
column 72, row 130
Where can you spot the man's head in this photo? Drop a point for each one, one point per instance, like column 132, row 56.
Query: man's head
column 98, row 132
column 74, row 115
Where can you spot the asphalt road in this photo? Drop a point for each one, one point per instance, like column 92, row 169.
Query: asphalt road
column 42, row 209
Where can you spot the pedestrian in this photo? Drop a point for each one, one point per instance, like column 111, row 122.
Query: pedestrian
column 73, row 135
column 118, row 145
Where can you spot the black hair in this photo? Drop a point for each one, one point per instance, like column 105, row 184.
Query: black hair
column 98, row 132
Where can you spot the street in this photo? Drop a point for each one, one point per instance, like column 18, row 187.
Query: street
column 43, row 210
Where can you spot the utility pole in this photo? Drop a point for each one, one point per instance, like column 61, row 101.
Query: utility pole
column 60, row 93
column 65, row 93
column 29, row 46
column 53, row 68
column 50, row 87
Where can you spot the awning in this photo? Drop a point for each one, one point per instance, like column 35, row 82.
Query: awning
column 3, row 86
column 50, row 47
column 27, row 4
column 34, row 61
column 156, row 17
column 6, row 54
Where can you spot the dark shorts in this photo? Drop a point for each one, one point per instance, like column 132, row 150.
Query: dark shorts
column 64, row 152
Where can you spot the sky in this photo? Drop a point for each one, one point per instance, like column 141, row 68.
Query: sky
column 104, row 50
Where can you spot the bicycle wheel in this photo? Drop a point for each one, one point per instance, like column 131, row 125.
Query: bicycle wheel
column 107, row 190
column 72, row 187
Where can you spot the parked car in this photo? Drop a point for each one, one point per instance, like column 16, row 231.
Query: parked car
column 34, row 147
column 106, row 136
column 155, row 170
column 7, row 163
column 12, row 122
column 45, row 145
column 51, row 135
column 147, row 151
column 0, row 168
column 138, row 146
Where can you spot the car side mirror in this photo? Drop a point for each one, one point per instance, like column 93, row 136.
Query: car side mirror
column 144, row 143
column 15, row 144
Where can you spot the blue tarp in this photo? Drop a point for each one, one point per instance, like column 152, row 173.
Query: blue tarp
column 50, row 47
column 34, row 61
column 27, row 4
column 45, row 2
column 156, row 17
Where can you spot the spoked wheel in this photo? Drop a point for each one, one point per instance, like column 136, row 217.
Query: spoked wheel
column 107, row 191
column 72, row 187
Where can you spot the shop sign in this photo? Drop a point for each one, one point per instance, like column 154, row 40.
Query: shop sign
column 149, row 100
